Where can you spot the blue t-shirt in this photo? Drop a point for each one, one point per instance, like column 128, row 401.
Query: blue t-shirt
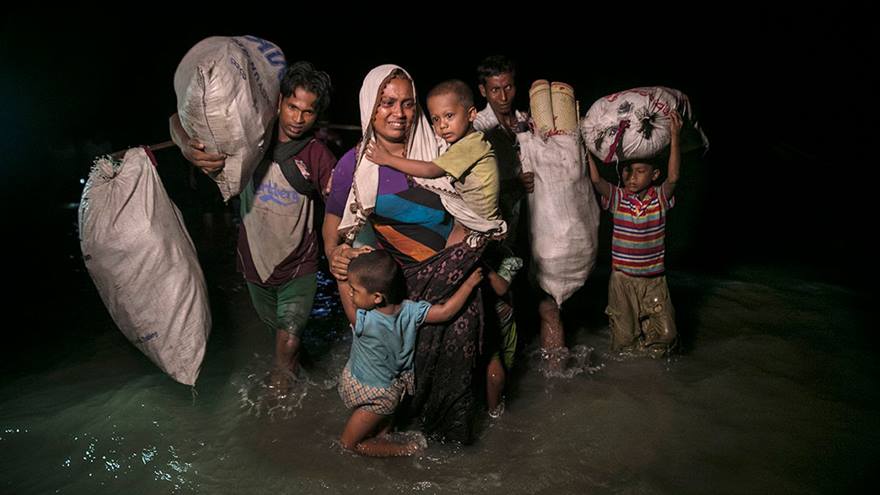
column 383, row 345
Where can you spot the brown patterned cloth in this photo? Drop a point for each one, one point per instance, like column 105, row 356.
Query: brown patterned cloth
column 444, row 401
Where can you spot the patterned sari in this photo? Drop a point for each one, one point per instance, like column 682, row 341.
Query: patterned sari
column 411, row 222
column 413, row 226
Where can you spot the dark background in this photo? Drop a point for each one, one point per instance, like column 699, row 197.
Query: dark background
column 786, row 99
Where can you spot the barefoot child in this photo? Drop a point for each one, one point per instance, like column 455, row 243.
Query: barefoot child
column 380, row 368
column 640, row 311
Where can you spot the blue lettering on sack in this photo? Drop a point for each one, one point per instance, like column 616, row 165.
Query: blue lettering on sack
column 270, row 191
column 146, row 338
column 241, row 71
column 273, row 54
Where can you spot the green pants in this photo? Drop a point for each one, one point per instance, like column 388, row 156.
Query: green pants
column 286, row 307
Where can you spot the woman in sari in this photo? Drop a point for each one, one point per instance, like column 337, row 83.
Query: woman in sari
column 381, row 207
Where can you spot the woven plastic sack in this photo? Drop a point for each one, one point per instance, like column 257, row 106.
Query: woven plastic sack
column 563, row 213
column 144, row 264
column 634, row 124
column 227, row 97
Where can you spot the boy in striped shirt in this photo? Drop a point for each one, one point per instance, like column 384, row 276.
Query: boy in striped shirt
column 640, row 311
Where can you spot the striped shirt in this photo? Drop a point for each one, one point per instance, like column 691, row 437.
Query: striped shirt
column 638, row 242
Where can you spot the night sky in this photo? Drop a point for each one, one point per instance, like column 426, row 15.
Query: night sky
column 785, row 100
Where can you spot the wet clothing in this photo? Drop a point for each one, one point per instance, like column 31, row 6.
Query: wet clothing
column 500, row 325
column 638, row 241
column 377, row 400
column 446, row 354
column 277, row 240
column 382, row 345
column 471, row 162
column 640, row 313
column 506, row 350
column 286, row 306
column 411, row 222
column 412, row 225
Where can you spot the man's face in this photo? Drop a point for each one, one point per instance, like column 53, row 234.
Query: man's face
column 296, row 114
column 499, row 91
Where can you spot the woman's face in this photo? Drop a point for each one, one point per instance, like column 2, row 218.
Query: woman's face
column 395, row 111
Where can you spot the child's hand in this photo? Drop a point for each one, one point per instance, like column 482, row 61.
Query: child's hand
column 475, row 278
column 674, row 125
column 590, row 160
column 376, row 153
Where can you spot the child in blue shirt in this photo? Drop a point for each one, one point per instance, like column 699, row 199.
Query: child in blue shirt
column 380, row 368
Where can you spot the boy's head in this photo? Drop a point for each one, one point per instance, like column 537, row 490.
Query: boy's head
column 495, row 77
column 375, row 279
column 638, row 175
column 452, row 111
column 305, row 93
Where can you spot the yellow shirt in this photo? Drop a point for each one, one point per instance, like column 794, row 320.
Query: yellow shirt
column 470, row 161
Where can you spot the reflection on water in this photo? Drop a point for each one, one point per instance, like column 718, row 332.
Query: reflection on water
column 775, row 392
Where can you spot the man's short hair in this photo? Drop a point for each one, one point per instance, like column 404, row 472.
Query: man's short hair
column 303, row 74
column 493, row 66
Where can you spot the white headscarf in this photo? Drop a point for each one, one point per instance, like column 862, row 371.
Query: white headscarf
column 422, row 144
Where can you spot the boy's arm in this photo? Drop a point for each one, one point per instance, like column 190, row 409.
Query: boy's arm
column 416, row 168
column 499, row 285
column 444, row 311
column 673, row 168
column 193, row 149
column 601, row 185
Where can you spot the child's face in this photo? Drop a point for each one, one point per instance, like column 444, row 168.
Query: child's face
column 637, row 177
column 451, row 120
column 362, row 298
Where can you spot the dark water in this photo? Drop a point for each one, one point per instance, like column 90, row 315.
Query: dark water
column 774, row 392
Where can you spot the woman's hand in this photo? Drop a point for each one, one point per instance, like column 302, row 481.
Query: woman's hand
column 341, row 257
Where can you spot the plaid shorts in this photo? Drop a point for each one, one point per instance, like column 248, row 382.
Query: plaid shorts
column 377, row 400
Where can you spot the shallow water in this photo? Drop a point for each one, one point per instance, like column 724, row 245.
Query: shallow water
column 774, row 391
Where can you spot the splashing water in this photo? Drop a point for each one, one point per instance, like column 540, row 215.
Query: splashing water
column 564, row 362
column 276, row 394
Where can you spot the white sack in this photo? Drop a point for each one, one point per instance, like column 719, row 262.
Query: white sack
column 227, row 97
column 563, row 213
column 634, row 124
column 144, row 264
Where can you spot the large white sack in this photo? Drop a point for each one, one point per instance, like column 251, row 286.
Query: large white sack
column 144, row 264
column 227, row 97
column 563, row 213
column 634, row 124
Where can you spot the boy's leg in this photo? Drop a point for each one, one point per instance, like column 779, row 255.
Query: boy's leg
column 622, row 313
column 360, row 432
column 658, row 326
column 495, row 380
